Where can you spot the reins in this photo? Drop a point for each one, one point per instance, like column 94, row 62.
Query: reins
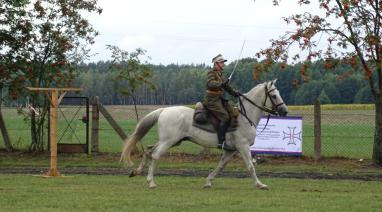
column 244, row 112
column 263, row 108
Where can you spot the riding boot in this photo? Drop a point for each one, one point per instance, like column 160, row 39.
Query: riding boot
column 221, row 136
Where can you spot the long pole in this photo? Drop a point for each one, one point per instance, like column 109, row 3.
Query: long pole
column 237, row 61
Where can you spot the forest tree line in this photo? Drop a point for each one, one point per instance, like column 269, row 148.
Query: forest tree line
column 185, row 84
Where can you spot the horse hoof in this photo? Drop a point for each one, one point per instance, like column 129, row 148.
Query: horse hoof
column 152, row 185
column 262, row 186
column 207, row 186
column 133, row 174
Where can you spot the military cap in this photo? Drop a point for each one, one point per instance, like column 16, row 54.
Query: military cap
column 218, row 58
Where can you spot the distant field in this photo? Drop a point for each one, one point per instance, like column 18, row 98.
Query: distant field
column 347, row 130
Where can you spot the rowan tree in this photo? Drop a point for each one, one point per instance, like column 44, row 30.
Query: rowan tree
column 352, row 31
column 45, row 39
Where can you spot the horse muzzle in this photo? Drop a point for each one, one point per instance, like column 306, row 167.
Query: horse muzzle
column 282, row 110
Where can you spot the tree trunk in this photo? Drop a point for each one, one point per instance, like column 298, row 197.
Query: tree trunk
column 135, row 108
column 41, row 132
column 34, row 133
column 377, row 150
column 4, row 132
column 37, row 127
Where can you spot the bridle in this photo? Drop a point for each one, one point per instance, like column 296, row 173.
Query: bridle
column 264, row 108
column 275, row 106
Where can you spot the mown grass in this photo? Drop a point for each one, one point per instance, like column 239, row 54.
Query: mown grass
column 338, row 140
column 341, row 135
column 120, row 193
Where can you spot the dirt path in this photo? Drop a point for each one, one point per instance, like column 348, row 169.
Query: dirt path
column 351, row 169
column 199, row 173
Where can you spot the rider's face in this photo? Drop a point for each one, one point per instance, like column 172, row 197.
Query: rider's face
column 220, row 65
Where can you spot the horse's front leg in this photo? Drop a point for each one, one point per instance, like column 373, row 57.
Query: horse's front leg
column 246, row 155
column 226, row 157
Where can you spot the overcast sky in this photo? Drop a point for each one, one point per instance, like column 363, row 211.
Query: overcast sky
column 185, row 32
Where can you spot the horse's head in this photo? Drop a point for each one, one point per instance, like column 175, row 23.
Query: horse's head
column 273, row 99
column 267, row 98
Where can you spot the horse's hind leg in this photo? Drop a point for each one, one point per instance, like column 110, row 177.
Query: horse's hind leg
column 158, row 151
column 146, row 157
column 226, row 157
column 150, row 175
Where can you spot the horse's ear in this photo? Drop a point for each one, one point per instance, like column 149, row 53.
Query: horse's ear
column 274, row 81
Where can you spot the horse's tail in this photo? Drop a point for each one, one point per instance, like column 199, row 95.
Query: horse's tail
column 140, row 130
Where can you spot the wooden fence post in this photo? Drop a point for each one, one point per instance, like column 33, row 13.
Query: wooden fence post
column 112, row 122
column 95, row 124
column 317, row 130
column 4, row 132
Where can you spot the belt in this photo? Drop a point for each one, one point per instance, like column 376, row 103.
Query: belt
column 216, row 93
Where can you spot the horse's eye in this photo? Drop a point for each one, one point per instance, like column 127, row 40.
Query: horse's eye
column 274, row 96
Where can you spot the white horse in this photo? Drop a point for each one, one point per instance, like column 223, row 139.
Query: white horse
column 175, row 125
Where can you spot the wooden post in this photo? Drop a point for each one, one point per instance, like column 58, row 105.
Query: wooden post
column 53, row 172
column 4, row 132
column 54, row 98
column 112, row 122
column 317, row 130
column 95, row 124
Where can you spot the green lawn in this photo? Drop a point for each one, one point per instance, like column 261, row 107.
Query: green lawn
column 120, row 193
column 340, row 138
column 24, row 192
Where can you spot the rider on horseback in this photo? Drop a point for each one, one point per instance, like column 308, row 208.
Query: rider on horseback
column 214, row 100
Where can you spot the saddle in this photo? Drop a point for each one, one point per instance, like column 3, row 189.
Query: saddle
column 205, row 120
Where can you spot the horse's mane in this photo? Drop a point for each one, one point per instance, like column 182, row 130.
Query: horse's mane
column 256, row 87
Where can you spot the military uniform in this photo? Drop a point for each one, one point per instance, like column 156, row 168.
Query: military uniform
column 214, row 100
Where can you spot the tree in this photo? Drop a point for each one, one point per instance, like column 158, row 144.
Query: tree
column 363, row 95
column 130, row 68
column 353, row 32
column 347, row 88
column 47, row 39
column 323, row 98
column 10, row 11
column 308, row 93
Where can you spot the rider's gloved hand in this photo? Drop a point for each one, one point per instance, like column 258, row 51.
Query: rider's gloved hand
column 225, row 83
column 236, row 93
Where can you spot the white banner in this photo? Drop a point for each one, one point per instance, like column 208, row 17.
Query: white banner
column 280, row 136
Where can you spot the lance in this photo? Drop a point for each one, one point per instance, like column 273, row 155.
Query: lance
column 237, row 61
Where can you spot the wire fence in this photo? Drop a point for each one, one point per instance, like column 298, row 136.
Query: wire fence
column 344, row 133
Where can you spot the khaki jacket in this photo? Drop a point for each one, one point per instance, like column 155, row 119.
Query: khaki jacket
column 213, row 98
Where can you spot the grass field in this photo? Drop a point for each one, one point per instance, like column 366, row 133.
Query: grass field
column 346, row 131
column 24, row 192
column 120, row 193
